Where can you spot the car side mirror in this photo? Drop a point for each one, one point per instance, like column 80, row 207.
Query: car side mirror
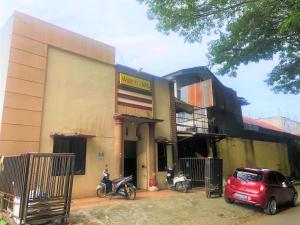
column 284, row 185
column 291, row 180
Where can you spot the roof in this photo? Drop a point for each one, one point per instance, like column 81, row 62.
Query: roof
column 194, row 73
column 132, row 71
column 262, row 124
column 197, row 74
column 280, row 117
column 136, row 119
column 248, row 169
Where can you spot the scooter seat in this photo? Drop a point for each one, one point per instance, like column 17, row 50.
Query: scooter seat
column 117, row 180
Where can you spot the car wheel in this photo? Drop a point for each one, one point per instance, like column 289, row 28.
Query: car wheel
column 229, row 200
column 295, row 199
column 271, row 208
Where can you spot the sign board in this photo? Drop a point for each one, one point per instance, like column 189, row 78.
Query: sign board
column 135, row 82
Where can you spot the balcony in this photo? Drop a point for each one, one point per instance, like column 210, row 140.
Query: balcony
column 194, row 121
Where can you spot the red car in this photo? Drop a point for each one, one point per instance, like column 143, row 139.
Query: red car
column 260, row 187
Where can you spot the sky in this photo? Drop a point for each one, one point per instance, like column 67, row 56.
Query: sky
column 124, row 25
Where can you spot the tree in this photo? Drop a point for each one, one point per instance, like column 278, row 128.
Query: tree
column 247, row 30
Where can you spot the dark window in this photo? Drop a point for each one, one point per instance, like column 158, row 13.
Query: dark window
column 271, row 178
column 281, row 178
column 248, row 176
column 162, row 156
column 72, row 145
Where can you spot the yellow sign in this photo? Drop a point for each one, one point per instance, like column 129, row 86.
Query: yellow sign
column 135, row 82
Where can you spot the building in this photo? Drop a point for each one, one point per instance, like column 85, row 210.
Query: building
column 265, row 127
column 284, row 123
column 210, row 123
column 62, row 92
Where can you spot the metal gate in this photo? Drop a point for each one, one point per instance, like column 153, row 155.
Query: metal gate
column 193, row 168
column 37, row 187
column 204, row 172
column 213, row 177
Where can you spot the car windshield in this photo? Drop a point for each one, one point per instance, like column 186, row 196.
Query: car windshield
column 247, row 176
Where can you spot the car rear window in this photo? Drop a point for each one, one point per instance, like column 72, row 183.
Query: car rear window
column 247, row 176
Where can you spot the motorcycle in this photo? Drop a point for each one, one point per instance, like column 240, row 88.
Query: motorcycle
column 118, row 187
column 179, row 182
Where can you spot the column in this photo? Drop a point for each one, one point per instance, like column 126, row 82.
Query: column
column 152, row 157
column 118, row 148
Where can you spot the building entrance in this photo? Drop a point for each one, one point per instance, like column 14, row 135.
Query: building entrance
column 130, row 161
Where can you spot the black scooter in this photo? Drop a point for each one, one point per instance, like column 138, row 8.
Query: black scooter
column 118, row 187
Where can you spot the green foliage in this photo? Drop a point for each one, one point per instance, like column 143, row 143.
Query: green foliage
column 248, row 31
column 3, row 222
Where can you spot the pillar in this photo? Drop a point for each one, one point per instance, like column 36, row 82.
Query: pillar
column 118, row 148
column 152, row 157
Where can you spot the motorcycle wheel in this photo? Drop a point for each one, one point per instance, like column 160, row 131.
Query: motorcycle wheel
column 131, row 193
column 100, row 192
column 177, row 186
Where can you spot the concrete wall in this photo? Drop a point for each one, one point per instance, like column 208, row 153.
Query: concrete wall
column 142, row 157
column 5, row 41
column 163, row 129
column 79, row 97
column 237, row 152
column 24, row 88
column 162, row 108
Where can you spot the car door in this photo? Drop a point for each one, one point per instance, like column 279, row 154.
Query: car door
column 273, row 187
column 285, row 189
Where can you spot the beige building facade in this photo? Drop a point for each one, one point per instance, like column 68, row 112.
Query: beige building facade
column 62, row 92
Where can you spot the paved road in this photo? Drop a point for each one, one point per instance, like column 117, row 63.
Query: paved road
column 167, row 207
column 287, row 216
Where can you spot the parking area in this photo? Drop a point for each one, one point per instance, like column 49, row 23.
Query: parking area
column 163, row 207
column 170, row 207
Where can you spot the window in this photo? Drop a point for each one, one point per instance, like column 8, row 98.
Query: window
column 248, row 176
column 162, row 156
column 271, row 178
column 72, row 145
column 281, row 178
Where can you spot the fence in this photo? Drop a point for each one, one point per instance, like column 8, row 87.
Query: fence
column 37, row 187
column 194, row 168
column 204, row 172
column 213, row 176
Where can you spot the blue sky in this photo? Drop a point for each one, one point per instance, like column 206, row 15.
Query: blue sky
column 124, row 24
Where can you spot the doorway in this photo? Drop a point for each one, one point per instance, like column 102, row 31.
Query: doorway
column 130, row 162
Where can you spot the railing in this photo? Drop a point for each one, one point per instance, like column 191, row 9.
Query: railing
column 37, row 187
column 193, row 168
column 204, row 172
column 196, row 121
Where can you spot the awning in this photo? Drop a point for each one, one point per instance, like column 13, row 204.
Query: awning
column 186, row 135
column 70, row 134
column 182, row 106
column 129, row 118
column 164, row 140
